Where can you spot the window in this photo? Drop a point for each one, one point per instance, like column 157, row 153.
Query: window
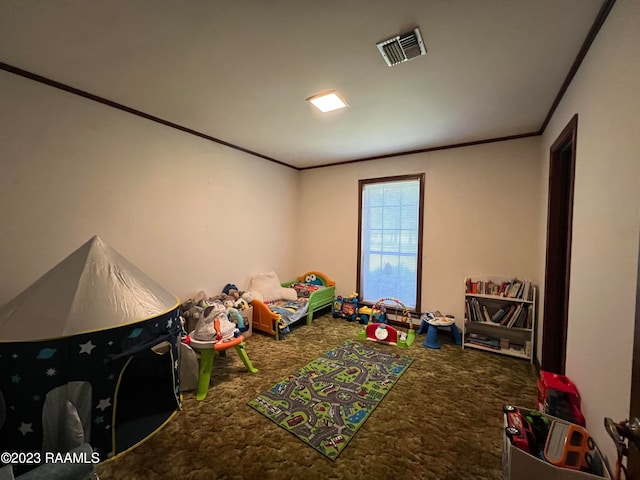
column 390, row 239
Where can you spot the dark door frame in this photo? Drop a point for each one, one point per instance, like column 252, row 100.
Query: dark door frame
column 634, row 403
column 562, row 163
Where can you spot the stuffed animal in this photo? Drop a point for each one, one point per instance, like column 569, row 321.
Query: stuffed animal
column 215, row 325
column 239, row 301
column 234, row 315
column 193, row 310
column 200, row 297
column 228, row 287
column 247, row 296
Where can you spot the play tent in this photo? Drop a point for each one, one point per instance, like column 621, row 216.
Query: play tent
column 88, row 353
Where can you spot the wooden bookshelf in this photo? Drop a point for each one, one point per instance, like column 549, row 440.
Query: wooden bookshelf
column 500, row 316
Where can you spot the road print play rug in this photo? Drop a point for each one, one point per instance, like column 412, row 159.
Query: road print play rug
column 327, row 401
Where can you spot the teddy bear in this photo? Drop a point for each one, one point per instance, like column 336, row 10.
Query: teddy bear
column 239, row 299
column 191, row 311
column 214, row 326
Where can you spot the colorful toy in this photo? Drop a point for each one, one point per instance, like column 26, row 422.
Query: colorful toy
column 553, row 440
column 570, row 446
column 364, row 314
column 382, row 332
column 558, row 396
column 234, row 315
column 518, row 429
column 346, row 307
column 431, row 322
column 380, row 309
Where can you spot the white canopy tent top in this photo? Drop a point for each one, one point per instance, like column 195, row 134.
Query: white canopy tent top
column 92, row 289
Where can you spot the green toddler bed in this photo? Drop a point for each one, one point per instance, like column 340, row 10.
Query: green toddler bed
column 314, row 291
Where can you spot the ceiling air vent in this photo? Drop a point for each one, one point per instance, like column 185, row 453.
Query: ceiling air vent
column 402, row 48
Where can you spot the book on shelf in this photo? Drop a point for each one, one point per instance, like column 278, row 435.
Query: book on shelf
column 483, row 340
column 522, row 318
column 509, row 315
column 514, row 288
column 473, row 310
column 511, row 308
column 514, row 317
column 500, row 313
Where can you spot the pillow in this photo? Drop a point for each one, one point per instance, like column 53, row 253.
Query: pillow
column 288, row 294
column 268, row 284
column 255, row 296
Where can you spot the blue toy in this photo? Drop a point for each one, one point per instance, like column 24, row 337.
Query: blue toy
column 346, row 307
column 431, row 322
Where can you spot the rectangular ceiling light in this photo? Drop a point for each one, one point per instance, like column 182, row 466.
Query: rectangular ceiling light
column 327, row 102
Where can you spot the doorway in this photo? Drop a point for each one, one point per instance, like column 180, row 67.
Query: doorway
column 558, row 258
column 634, row 407
column 146, row 397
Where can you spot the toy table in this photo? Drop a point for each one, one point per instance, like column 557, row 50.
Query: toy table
column 431, row 326
column 207, row 352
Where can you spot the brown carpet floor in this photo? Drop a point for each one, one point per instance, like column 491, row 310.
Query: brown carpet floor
column 442, row 420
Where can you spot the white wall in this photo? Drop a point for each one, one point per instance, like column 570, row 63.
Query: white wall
column 606, row 218
column 481, row 217
column 190, row 213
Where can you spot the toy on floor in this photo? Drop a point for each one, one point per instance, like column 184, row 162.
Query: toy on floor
column 346, row 307
column 379, row 312
column 431, row 322
column 382, row 332
column 558, row 396
column 364, row 314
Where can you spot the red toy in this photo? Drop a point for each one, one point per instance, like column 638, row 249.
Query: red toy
column 518, row 429
column 381, row 332
column 558, row 396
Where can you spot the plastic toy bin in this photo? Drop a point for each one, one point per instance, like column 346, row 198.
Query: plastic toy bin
column 518, row 464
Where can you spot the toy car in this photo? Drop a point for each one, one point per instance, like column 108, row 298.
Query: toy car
column 540, row 424
column 518, row 429
column 570, row 446
column 559, row 397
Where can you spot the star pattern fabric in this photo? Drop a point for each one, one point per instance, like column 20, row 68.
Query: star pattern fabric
column 104, row 404
column 33, row 369
column 25, row 428
column 87, row 347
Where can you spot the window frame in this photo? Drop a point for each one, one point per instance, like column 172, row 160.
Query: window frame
column 362, row 183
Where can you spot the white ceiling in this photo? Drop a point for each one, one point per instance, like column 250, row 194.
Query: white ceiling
column 240, row 70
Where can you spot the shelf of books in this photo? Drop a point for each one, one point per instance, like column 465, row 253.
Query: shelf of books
column 500, row 316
